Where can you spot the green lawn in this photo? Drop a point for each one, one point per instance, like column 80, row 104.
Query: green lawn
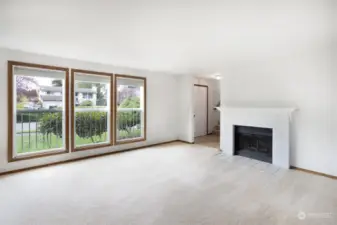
column 123, row 134
column 40, row 142
column 25, row 143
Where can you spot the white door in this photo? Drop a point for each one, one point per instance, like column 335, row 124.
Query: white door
column 200, row 111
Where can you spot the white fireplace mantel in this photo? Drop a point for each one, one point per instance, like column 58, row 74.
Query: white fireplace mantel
column 276, row 118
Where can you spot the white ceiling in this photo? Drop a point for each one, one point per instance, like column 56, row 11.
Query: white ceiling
column 176, row 36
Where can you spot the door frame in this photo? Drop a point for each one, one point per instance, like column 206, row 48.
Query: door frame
column 204, row 86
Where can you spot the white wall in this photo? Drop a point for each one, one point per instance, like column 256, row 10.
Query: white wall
column 298, row 70
column 162, row 97
column 186, row 109
column 213, row 100
column 304, row 78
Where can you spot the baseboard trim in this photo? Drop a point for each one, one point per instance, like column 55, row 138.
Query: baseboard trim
column 85, row 157
column 313, row 172
column 186, row 142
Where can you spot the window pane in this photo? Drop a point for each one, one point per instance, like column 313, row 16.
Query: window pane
column 39, row 105
column 130, row 108
column 92, row 109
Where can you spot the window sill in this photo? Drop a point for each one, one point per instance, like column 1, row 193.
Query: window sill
column 90, row 147
column 33, row 155
column 129, row 141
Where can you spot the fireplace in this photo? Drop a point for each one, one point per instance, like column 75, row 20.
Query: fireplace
column 254, row 142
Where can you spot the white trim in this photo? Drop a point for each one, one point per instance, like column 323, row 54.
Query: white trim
column 129, row 81
column 37, row 72
column 91, row 78
column 94, row 144
column 64, row 113
column 39, row 152
column 14, row 152
column 93, row 109
column 277, row 119
column 129, row 109
column 127, row 140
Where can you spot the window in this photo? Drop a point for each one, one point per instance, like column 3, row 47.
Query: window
column 37, row 121
column 91, row 110
column 130, row 110
column 38, row 110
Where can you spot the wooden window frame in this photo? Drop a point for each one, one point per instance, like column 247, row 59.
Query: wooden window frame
column 72, row 110
column 10, row 65
column 116, row 142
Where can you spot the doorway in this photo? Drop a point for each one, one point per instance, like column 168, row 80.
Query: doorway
column 206, row 122
column 200, row 110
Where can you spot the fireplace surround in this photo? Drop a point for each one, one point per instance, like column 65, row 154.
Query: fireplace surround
column 277, row 119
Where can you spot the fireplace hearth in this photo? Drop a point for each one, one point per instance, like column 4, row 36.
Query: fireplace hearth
column 254, row 142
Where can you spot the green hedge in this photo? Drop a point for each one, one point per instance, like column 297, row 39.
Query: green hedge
column 51, row 123
column 90, row 124
column 128, row 119
column 125, row 120
column 87, row 124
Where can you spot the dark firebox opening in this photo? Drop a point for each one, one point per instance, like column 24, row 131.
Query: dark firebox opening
column 254, row 142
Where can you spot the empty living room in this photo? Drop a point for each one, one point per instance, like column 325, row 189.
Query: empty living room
column 158, row 112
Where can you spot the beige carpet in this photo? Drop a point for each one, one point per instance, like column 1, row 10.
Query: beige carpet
column 167, row 185
column 209, row 141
